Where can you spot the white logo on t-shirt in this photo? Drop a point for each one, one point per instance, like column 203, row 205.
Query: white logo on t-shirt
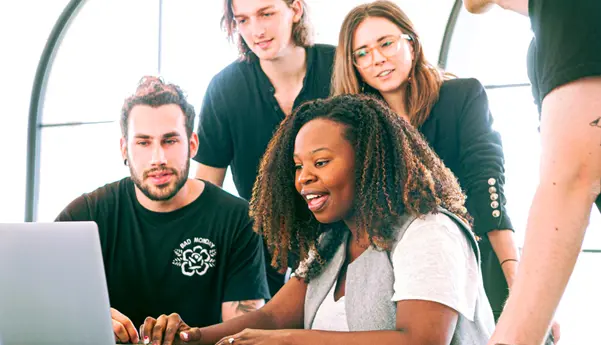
column 195, row 256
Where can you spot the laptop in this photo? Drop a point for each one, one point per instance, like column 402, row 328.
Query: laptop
column 52, row 285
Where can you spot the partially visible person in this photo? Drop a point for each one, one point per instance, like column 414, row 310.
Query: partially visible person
column 380, row 53
column 379, row 221
column 564, row 66
column 170, row 244
column 278, row 69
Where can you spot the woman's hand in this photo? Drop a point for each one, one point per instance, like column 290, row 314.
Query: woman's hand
column 258, row 337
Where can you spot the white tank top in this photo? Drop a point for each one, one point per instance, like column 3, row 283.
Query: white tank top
column 331, row 315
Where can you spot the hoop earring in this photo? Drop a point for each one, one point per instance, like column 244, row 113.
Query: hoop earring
column 125, row 162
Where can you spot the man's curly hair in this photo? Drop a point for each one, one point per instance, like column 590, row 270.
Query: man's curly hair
column 396, row 174
column 155, row 92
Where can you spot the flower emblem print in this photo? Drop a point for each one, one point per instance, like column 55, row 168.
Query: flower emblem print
column 195, row 256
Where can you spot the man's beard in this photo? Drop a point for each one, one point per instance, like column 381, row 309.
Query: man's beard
column 162, row 192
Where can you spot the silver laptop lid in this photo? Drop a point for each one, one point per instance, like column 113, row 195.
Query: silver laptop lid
column 52, row 285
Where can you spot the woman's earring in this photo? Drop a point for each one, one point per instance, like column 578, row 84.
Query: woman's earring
column 362, row 87
column 125, row 162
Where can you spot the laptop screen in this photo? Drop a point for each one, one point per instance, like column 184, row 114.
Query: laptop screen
column 53, row 287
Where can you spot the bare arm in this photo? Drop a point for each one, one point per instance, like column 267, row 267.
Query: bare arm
column 211, row 174
column 417, row 322
column 517, row 6
column 569, row 183
column 481, row 6
column 503, row 243
column 230, row 310
column 284, row 310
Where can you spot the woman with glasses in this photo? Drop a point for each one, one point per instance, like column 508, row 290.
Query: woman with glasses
column 380, row 53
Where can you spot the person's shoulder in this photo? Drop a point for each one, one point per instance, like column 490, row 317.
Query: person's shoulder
column 324, row 49
column 226, row 201
column 228, row 208
column 86, row 206
column 455, row 94
column 438, row 230
column 466, row 87
column 324, row 54
column 109, row 194
column 436, row 222
column 426, row 228
column 231, row 73
column 110, row 190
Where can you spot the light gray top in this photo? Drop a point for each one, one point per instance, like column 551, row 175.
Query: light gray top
column 434, row 258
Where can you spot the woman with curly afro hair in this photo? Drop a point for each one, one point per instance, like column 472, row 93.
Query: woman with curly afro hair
column 378, row 223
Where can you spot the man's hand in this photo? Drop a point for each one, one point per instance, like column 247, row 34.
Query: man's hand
column 163, row 330
column 124, row 329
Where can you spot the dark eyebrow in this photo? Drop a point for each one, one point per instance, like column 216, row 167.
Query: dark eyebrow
column 262, row 9
column 171, row 135
column 320, row 149
column 166, row 135
column 315, row 151
column 378, row 40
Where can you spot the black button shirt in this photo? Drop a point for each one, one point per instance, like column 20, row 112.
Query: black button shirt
column 240, row 113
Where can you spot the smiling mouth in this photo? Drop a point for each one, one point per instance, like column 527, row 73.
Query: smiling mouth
column 316, row 202
column 385, row 73
column 263, row 44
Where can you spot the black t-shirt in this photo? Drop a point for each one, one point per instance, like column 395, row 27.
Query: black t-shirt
column 240, row 113
column 566, row 44
column 188, row 261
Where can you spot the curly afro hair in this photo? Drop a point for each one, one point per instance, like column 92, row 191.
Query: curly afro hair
column 396, row 173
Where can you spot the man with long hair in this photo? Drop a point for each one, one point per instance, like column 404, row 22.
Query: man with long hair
column 278, row 69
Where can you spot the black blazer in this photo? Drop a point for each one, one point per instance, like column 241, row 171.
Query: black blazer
column 459, row 129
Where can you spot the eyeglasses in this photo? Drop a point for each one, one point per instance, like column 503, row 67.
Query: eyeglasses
column 388, row 46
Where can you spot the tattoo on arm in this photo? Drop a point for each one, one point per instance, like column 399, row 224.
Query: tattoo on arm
column 596, row 123
column 244, row 307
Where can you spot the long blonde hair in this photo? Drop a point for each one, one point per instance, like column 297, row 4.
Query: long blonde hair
column 425, row 78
